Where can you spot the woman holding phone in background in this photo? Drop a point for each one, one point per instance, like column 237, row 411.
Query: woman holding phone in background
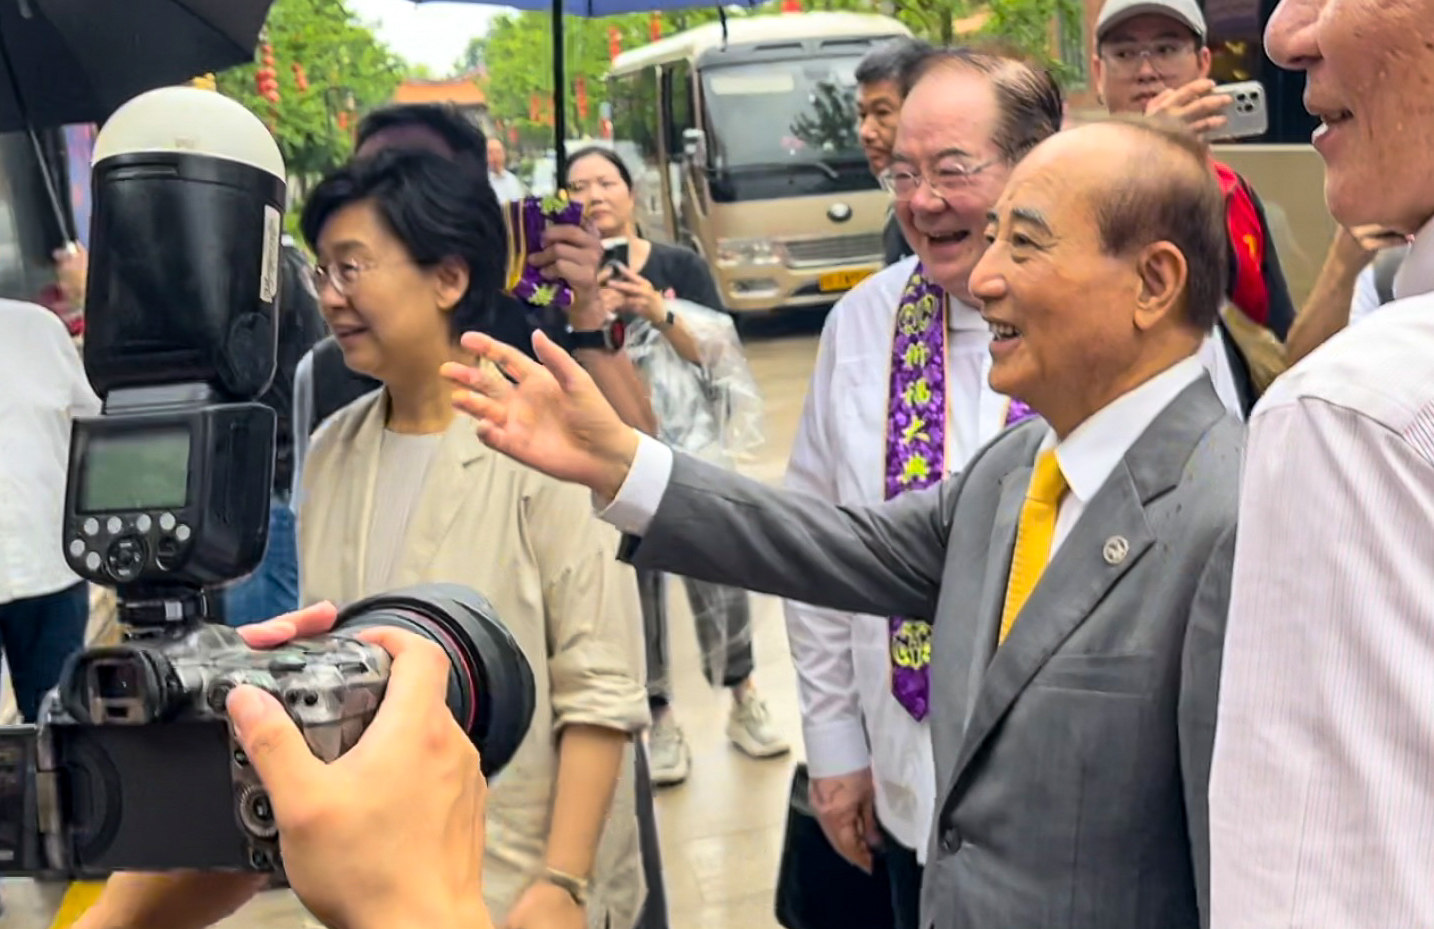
column 637, row 286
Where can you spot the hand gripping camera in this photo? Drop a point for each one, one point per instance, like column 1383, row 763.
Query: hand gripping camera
column 131, row 765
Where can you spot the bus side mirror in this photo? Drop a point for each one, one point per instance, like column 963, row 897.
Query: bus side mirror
column 694, row 145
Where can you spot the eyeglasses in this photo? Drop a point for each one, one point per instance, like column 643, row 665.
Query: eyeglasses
column 949, row 179
column 1129, row 57
column 344, row 275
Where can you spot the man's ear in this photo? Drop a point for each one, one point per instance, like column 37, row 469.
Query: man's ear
column 1163, row 275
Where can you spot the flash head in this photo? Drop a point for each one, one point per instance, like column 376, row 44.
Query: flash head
column 187, row 120
column 186, row 234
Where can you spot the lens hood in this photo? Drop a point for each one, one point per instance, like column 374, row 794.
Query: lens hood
column 490, row 686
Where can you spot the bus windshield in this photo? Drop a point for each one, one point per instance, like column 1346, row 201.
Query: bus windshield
column 792, row 121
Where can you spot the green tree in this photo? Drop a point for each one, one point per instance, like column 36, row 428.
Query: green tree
column 517, row 52
column 347, row 70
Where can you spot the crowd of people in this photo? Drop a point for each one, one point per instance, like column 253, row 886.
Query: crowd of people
column 1101, row 618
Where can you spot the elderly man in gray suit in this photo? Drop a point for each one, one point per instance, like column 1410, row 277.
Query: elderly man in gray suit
column 1076, row 572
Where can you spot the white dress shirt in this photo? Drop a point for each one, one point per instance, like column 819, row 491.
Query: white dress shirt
column 1322, row 787
column 850, row 721
column 1090, row 453
column 507, row 186
column 1366, row 296
column 42, row 387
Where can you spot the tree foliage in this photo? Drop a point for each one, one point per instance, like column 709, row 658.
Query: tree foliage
column 346, row 68
column 517, row 52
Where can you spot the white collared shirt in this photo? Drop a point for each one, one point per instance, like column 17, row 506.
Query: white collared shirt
column 1322, row 784
column 44, row 387
column 506, row 186
column 1090, row 453
column 850, row 721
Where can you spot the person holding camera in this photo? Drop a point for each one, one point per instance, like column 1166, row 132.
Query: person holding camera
column 637, row 287
column 413, row 781
column 399, row 491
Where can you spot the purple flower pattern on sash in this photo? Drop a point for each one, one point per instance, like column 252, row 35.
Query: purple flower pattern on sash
column 916, row 456
column 525, row 220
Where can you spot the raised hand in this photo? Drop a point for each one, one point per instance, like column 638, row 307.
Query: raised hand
column 548, row 416
column 1195, row 104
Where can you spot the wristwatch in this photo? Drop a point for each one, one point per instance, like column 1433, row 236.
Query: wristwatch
column 667, row 322
column 577, row 887
column 611, row 336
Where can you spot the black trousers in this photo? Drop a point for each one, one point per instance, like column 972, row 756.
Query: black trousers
column 903, row 874
column 37, row 635
column 653, row 914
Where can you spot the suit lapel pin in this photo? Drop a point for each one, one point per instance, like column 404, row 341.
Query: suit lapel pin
column 1115, row 550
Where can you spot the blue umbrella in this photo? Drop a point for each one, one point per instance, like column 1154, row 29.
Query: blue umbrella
column 585, row 8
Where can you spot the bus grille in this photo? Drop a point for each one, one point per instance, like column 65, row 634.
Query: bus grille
column 833, row 250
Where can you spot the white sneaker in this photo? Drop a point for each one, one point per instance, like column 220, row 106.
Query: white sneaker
column 750, row 728
column 670, row 758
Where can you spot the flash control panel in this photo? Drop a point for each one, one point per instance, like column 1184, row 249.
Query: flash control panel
column 124, row 545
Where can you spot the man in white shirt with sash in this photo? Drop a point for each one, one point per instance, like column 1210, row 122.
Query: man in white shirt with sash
column 864, row 684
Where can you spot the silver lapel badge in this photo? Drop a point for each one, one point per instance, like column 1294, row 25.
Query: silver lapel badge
column 1115, row 550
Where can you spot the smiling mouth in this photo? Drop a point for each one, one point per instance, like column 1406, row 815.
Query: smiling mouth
column 947, row 238
column 344, row 332
column 1003, row 332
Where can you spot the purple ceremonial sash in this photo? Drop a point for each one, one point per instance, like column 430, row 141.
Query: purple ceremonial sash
column 916, row 455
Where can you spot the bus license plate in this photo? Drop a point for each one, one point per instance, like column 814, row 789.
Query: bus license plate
column 841, row 280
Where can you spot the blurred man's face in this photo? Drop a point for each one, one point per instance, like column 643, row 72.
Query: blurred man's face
column 878, row 104
column 497, row 157
column 1142, row 57
column 946, row 134
column 1369, row 68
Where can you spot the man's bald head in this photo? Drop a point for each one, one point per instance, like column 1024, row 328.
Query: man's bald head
column 1158, row 187
column 1106, row 266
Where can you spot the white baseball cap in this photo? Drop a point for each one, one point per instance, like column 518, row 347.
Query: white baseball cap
column 1115, row 12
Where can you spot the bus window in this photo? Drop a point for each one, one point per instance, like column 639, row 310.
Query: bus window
column 784, row 128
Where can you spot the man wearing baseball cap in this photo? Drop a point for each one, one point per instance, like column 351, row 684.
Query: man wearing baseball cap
column 1151, row 58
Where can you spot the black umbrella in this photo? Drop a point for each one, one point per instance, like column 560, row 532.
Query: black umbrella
column 77, row 61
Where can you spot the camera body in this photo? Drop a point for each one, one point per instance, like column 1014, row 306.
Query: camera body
column 131, row 764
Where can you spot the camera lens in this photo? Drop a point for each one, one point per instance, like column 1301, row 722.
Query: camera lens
column 490, row 685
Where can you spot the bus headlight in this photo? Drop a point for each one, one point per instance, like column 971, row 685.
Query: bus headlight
column 736, row 253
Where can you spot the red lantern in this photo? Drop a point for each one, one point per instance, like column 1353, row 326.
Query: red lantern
column 606, row 129
column 266, row 83
column 791, row 6
column 343, row 120
column 513, row 136
column 301, row 80
column 533, row 107
column 614, row 42
column 654, row 27
column 580, row 88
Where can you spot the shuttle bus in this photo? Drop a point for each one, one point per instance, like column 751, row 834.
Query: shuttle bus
column 742, row 140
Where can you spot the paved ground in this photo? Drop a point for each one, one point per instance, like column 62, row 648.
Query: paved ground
column 722, row 830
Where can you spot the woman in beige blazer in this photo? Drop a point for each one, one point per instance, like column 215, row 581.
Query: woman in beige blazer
column 398, row 490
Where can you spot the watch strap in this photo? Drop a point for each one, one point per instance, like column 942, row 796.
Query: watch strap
column 577, row 887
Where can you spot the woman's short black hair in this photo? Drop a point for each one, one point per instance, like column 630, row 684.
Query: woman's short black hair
column 436, row 208
column 611, row 156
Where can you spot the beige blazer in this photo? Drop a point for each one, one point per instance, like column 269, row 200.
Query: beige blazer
column 531, row 545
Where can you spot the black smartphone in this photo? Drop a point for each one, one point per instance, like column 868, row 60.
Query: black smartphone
column 614, row 252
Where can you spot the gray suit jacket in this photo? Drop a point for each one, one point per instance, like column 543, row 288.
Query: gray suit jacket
column 1071, row 763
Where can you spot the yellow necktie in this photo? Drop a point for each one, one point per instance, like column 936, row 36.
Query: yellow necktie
column 1034, row 534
